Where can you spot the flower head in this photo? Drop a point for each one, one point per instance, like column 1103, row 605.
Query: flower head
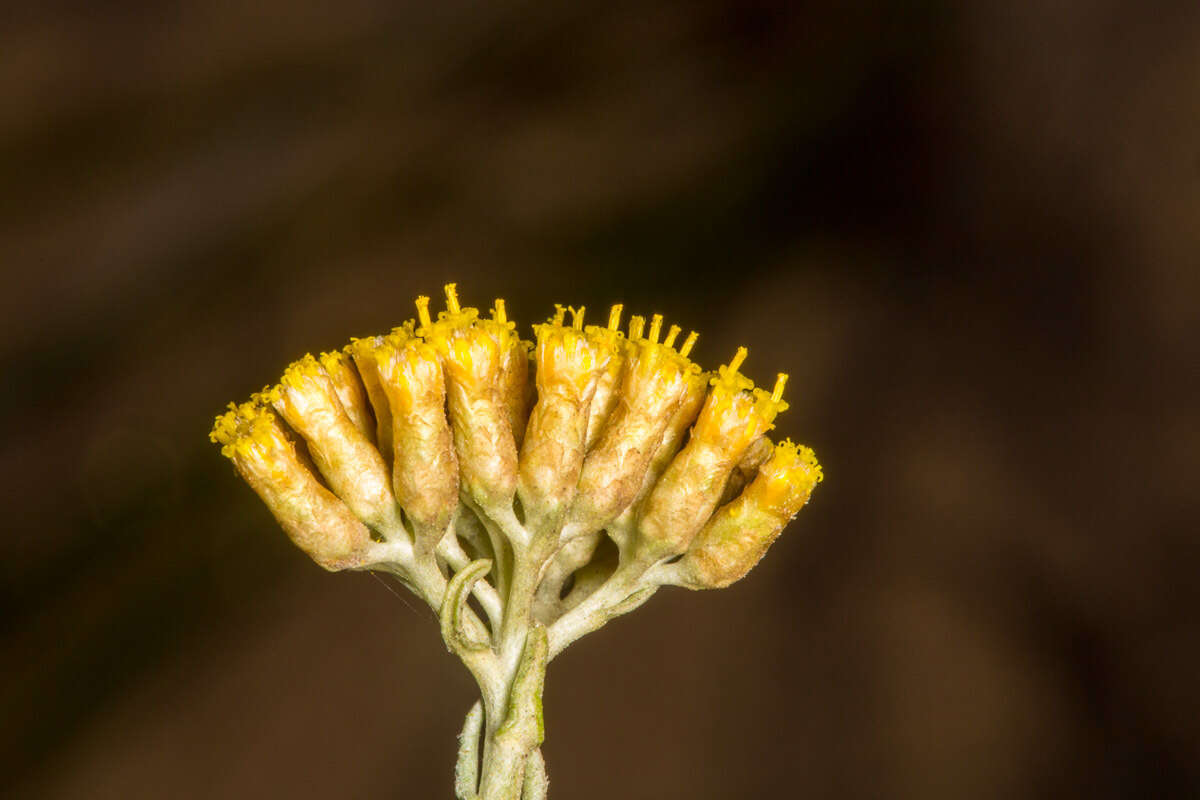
column 738, row 535
column 318, row 522
column 307, row 399
column 655, row 379
column 733, row 416
column 473, row 465
column 477, row 356
column 424, row 467
column 570, row 363
column 350, row 390
column 453, row 424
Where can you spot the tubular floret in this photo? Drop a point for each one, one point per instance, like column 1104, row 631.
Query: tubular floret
column 738, row 535
column 569, row 365
column 734, row 415
column 319, row 523
column 474, row 355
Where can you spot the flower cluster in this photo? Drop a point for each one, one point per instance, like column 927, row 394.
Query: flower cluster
column 559, row 483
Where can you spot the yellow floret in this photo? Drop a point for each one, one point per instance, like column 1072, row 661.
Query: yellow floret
column 247, row 429
column 788, row 475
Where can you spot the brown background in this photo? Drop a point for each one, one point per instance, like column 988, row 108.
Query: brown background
column 970, row 233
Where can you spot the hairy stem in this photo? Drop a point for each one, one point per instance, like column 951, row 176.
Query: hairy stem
column 508, row 747
column 627, row 589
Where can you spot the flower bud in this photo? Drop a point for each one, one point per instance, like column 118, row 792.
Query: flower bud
column 316, row 521
column 350, row 391
column 694, row 395
column 739, row 534
column 515, row 384
column 472, row 353
column 355, row 470
column 361, row 351
column 605, row 398
column 569, row 363
column 654, row 382
column 733, row 416
column 424, row 468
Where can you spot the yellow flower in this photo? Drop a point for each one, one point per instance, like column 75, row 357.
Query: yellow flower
column 305, row 397
column 425, row 468
column 314, row 518
column 654, row 382
column 733, row 416
column 569, row 364
column 604, row 399
column 363, row 353
column 477, row 357
column 401, row 426
column 739, row 534
column 350, row 390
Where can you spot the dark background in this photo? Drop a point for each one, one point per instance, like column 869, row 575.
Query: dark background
column 969, row 232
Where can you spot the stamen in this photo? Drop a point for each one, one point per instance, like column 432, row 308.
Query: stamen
column 689, row 343
column 559, row 313
column 672, row 334
column 452, row 298
column 655, row 327
column 780, row 382
column 498, row 313
column 614, row 317
column 423, row 311
column 636, row 324
column 738, row 358
column 577, row 317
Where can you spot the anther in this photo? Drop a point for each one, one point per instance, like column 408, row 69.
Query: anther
column 672, row 334
column 498, row 313
column 636, row 324
column 688, row 344
column 452, row 298
column 737, row 360
column 780, row 382
column 614, row 317
column 559, row 313
column 423, row 311
column 655, row 327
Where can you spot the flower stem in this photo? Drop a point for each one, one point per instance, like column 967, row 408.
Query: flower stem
column 508, row 747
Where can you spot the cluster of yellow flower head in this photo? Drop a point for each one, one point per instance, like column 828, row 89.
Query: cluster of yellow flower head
column 396, row 438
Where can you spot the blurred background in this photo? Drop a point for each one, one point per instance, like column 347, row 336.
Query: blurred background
column 970, row 232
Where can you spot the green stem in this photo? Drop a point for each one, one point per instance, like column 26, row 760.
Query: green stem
column 527, row 565
column 627, row 589
column 508, row 748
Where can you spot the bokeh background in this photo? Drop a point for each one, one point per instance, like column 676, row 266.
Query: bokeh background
column 969, row 231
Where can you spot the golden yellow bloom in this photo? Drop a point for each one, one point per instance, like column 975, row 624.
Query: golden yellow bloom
column 569, row 364
column 362, row 350
column 654, row 382
column 515, row 385
column 406, row 422
column 738, row 535
column 306, row 398
column 694, row 395
column 425, row 468
column 605, row 398
column 474, row 354
column 733, row 416
column 350, row 391
column 314, row 518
